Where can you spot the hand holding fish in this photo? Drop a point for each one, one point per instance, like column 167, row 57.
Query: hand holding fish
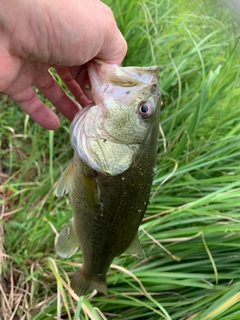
column 36, row 35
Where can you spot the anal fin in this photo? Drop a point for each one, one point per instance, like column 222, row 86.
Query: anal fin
column 135, row 248
column 66, row 242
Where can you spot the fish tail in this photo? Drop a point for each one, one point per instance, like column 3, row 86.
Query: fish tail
column 80, row 284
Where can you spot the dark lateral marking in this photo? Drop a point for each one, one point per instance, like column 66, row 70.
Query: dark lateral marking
column 127, row 92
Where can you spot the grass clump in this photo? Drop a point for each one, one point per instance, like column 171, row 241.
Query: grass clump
column 191, row 230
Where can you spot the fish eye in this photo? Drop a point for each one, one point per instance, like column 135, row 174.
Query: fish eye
column 145, row 109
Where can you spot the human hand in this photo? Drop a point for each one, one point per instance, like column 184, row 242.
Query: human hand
column 36, row 35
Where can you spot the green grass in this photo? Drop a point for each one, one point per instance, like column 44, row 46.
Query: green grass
column 191, row 231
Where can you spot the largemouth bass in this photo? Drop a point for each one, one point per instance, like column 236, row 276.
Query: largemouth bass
column 110, row 176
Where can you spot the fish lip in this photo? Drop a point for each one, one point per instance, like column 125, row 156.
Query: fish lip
column 97, row 82
column 102, row 77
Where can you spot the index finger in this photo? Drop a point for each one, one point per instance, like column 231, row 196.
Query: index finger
column 29, row 102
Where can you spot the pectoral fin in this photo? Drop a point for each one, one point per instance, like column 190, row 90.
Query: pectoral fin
column 135, row 248
column 64, row 184
column 66, row 243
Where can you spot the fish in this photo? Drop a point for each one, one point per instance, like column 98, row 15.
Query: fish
column 109, row 179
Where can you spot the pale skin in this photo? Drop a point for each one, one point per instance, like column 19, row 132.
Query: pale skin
column 64, row 34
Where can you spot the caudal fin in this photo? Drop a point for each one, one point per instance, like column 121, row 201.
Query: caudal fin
column 81, row 284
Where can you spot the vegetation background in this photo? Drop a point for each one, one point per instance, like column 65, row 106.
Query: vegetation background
column 191, row 231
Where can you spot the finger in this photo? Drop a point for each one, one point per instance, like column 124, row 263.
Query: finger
column 82, row 79
column 113, row 52
column 29, row 101
column 114, row 46
column 47, row 84
column 73, row 85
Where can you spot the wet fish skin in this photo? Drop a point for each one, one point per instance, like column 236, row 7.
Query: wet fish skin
column 108, row 207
